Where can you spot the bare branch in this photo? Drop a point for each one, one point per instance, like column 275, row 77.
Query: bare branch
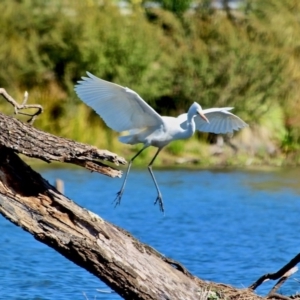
column 282, row 280
column 278, row 296
column 25, row 139
column 18, row 107
column 273, row 276
column 128, row 266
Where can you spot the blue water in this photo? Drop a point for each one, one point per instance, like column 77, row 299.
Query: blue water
column 224, row 226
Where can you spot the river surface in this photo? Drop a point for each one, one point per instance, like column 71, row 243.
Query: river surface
column 224, row 226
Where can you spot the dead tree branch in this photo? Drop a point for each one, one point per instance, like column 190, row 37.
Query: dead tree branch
column 280, row 273
column 278, row 296
column 18, row 107
column 132, row 269
column 25, row 139
column 281, row 281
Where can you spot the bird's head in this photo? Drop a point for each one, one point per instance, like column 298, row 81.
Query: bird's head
column 197, row 110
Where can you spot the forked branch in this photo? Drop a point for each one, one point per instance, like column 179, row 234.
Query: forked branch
column 18, row 107
column 25, row 139
column 132, row 269
column 284, row 272
column 281, row 281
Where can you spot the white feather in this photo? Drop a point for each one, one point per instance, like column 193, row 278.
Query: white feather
column 220, row 121
column 124, row 110
column 121, row 108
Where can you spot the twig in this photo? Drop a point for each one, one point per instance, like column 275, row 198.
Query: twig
column 105, row 291
column 278, row 274
column 18, row 107
column 282, row 280
column 278, row 296
column 297, row 280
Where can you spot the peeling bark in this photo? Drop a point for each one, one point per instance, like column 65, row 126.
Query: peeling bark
column 134, row 270
column 25, row 139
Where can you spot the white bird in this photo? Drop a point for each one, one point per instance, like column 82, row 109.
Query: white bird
column 122, row 109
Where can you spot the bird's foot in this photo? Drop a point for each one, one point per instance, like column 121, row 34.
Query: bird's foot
column 160, row 202
column 117, row 201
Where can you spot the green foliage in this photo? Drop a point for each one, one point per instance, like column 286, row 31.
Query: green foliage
column 248, row 58
column 176, row 6
column 176, row 147
column 54, row 41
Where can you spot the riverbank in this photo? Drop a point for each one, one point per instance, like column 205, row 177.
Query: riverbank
column 195, row 154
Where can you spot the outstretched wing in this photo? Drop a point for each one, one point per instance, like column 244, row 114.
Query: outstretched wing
column 121, row 108
column 220, row 121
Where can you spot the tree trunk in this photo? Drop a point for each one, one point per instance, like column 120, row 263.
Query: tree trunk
column 131, row 268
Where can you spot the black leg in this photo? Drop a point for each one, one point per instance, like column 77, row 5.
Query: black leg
column 159, row 195
column 120, row 193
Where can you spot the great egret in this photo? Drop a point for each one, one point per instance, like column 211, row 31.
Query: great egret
column 122, row 109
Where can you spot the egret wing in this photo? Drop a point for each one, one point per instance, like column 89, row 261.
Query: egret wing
column 220, row 121
column 121, row 108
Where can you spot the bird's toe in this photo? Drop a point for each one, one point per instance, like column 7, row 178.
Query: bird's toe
column 117, row 200
column 161, row 203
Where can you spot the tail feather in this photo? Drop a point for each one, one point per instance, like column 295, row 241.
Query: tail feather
column 128, row 139
column 136, row 136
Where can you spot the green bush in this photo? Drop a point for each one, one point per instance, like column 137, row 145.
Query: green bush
column 247, row 58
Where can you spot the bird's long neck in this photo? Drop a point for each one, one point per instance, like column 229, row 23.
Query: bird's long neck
column 190, row 126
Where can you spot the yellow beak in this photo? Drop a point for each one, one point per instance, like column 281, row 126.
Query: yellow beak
column 201, row 114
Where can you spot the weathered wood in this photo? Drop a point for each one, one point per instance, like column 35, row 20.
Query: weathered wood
column 134, row 270
column 103, row 249
column 27, row 140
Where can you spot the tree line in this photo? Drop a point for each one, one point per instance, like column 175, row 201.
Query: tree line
column 246, row 57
